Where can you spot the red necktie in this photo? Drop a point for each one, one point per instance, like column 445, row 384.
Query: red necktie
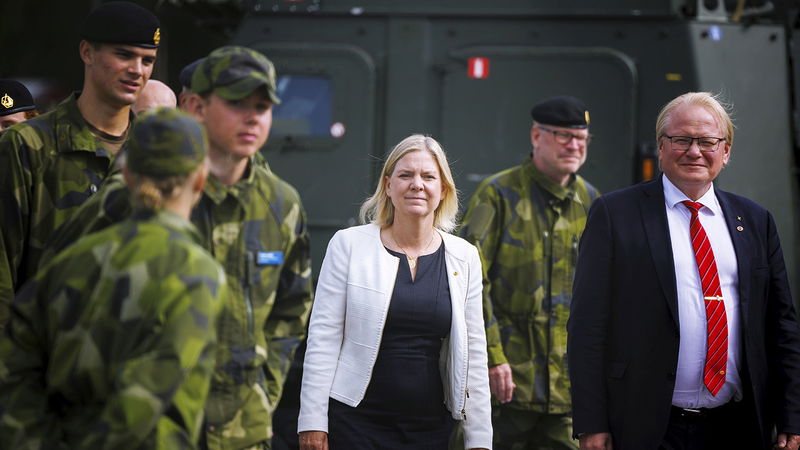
column 716, row 320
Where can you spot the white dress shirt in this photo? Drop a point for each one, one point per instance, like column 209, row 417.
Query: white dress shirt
column 690, row 391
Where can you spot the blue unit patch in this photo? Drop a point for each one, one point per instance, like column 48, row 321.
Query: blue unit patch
column 269, row 258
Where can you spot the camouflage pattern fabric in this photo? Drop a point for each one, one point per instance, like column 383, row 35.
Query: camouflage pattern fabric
column 50, row 165
column 112, row 344
column 257, row 230
column 166, row 142
column 527, row 229
column 516, row 429
column 234, row 72
column 111, row 204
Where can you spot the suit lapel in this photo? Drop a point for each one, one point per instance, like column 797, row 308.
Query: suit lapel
column 381, row 272
column 734, row 218
column 654, row 218
column 457, row 276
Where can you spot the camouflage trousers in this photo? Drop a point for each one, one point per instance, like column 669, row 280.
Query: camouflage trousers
column 266, row 445
column 518, row 429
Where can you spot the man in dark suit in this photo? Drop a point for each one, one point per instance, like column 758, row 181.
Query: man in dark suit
column 682, row 332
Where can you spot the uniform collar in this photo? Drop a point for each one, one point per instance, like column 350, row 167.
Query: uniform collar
column 557, row 190
column 217, row 191
column 169, row 220
column 73, row 132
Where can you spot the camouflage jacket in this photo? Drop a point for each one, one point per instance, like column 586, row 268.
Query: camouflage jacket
column 112, row 344
column 527, row 229
column 257, row 230
column 50, row 165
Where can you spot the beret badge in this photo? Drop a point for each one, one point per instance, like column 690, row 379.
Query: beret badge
column 7, row 101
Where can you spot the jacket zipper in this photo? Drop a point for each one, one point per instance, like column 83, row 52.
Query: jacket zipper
column 466, row 372
column 249, row 262
column 548, row 302
column 464, row 408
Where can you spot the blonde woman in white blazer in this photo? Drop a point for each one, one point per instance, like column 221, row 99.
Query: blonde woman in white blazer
column 396, row 346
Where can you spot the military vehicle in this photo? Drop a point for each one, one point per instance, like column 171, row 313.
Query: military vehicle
column 356, row 77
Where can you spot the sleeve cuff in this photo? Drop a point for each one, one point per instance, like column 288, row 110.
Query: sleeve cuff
column 496, row 356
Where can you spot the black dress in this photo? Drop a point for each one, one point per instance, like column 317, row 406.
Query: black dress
column 403, row 407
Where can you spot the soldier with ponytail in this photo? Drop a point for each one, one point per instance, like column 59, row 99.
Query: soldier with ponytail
column 112, row 344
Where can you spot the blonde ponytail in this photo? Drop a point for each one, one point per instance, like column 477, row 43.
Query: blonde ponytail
column 151, row 193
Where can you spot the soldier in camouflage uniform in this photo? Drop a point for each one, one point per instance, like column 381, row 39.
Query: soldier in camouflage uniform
column 16, row 104
column 112, row 344
column 527, row 221
column 51, row 164
column 256, row 228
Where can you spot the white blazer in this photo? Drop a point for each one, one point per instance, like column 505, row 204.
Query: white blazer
column 350, row 306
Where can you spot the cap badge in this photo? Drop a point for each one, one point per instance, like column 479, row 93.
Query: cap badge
column 7, row 101
column 157, row 36
column 586, row 116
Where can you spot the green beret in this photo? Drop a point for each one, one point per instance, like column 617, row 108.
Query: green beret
column 166, row 142
column 562, row 111
column 121, row 22
column 233, row 73
column 14, row 98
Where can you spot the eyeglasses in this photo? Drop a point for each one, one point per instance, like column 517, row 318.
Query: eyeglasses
column 564, row 137
column 683, row 143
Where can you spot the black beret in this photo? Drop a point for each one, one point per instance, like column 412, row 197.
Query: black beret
column 562, row 111
column 185, row 77
column 14, row 98
column 121, row 22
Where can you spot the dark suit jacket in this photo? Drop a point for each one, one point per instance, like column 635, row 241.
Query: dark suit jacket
column 623, row 327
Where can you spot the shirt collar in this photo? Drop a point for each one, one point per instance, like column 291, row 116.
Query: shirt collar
column 673, row 196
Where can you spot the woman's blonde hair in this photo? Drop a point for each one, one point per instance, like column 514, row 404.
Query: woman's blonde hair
column 152, row 193
column 379, row 209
